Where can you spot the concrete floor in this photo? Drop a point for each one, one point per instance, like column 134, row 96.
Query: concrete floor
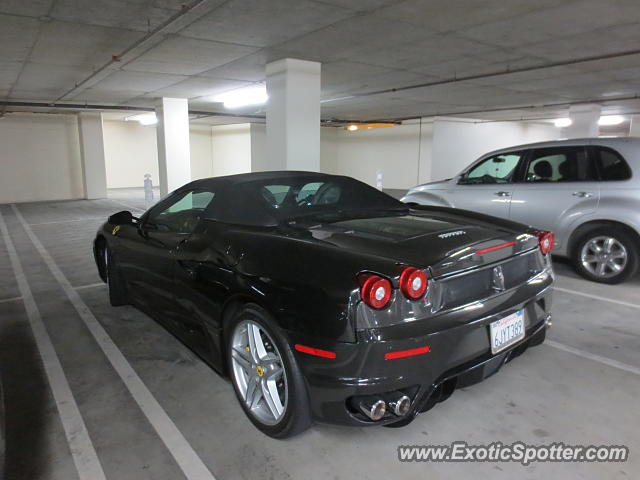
column 581, row 387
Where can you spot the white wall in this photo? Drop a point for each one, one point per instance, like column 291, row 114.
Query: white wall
column 418, row 152
column 130, row 151
column 39, row 158
column 328, row 142
column 329, row 150
column 457, row 143
column 393, row 151
column 258, row 132
column 231, row 149
column 201, row 154
column 40, row 155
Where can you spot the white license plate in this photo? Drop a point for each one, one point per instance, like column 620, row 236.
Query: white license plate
column 507, row 331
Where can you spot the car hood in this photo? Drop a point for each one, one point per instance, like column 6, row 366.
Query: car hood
column 435, row 240
column 440, row 185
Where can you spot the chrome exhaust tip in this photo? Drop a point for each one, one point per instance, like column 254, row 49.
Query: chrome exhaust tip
column 399, row 404
column 374, row 408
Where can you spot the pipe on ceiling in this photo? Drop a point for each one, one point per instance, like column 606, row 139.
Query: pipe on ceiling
column 498, row 73
column 336, row 121
column 186, row 8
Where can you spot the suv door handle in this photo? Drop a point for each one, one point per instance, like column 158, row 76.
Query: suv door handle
column 503, row 194
column 582, row 194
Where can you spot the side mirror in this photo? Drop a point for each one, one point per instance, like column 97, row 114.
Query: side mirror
column 121, row 218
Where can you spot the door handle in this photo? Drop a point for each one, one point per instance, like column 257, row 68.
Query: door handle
column 582, row 194
column 502, row 194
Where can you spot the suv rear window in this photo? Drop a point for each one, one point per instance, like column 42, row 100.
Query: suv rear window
column 611, row 165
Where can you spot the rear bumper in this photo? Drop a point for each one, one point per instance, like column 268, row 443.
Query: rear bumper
column 458, row 356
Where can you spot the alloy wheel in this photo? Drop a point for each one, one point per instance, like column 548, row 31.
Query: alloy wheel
column 258, row 372
column 604, row 256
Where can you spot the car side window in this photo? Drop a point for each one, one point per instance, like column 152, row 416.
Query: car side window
column 567, row 164
column 181, row 214
column 611, row 165
column 497, row 169
column 275, row 195
column 307, row 193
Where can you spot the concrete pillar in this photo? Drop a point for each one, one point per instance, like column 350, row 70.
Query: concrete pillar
column 174, row 159
column 94, row 173
column 293, row 115
column 585, row 121
column 258, row 133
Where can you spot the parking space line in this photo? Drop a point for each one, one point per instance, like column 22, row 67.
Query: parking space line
column 187, row 459
column 12, row 299
column 80, row 444
column 596, row 358
column 597, row 297
column 125, row 205
column 91, row 285
column 66, row 221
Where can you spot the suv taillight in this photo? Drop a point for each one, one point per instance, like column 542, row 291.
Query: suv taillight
column 413, row 283
column 375, row 291
column 546, row 241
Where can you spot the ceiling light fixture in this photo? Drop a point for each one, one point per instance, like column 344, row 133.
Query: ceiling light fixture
column 368, row 126
column 607, row 120
column 562, row 122
column 243, row 97
column 144, row 118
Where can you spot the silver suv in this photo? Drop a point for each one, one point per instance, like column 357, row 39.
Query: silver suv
column 587, row 191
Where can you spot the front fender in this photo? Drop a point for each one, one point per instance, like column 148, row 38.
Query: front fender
column 426, row 198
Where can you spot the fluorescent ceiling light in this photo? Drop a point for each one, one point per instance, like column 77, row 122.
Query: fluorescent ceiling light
column 368, row 126
column 610, row 120
column 243, row 97
column 562, row 122
column 144, row 118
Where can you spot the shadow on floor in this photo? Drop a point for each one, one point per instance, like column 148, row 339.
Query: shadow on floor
column 25, row 402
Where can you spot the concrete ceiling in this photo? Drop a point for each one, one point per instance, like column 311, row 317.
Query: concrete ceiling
column 47, row 47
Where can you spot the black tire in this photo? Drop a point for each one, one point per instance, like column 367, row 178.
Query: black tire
column 624, row 238
column 297, row 414
column 115, row 283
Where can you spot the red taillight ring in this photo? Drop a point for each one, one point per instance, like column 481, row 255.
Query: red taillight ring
column 546, row 241
column 413, row 283
column 376, row 291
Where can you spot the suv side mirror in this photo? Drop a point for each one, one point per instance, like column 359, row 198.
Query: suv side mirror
column 121, row 218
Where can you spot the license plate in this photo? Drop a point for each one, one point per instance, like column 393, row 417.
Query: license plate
column 507, row 331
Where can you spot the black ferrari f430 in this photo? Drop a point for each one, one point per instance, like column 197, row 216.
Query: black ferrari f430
column 325, row 299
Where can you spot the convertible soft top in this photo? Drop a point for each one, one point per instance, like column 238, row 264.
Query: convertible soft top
column 269, row 198
column 241, row 178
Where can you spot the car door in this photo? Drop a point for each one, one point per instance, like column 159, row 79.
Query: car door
column 147, row 261
column 559, row 185
column 204, row 276
column 487, row 187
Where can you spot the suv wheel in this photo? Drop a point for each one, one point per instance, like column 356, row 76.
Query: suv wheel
column 606, row 255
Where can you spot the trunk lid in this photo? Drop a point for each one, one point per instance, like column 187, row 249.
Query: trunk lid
column 443, row 241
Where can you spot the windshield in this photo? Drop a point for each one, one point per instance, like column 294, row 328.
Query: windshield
column 296, row 197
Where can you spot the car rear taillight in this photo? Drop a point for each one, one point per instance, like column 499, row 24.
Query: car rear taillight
column 375, row 291
column 413, row 283
column 546, row 240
